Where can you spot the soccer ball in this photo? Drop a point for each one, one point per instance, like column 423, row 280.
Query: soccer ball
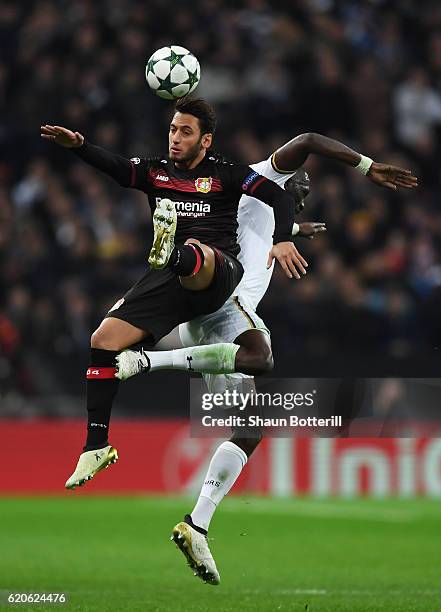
column 172, row 72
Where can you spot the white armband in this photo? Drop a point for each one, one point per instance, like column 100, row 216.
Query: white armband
column 364, row 164
column 295, row 229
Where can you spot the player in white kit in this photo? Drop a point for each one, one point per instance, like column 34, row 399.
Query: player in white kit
column 237, row 322
column 238, row 314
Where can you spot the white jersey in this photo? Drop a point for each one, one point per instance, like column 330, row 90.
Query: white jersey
column 255, row 237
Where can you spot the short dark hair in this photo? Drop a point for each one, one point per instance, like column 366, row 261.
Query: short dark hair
column 201, row 110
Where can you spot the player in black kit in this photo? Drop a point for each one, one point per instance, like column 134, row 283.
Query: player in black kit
column 194, row 196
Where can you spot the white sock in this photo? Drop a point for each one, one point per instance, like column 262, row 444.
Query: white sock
column 225, row 467
column 209, row 359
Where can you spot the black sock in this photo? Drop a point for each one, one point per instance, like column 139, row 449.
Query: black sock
column 101, row 390
column 186, row 260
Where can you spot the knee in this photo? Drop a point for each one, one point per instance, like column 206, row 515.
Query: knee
column 264, row 362
column 101, row 339
column 255, row 361
column 206, row 250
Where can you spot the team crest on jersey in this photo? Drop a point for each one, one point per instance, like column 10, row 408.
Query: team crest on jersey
column 203, row 184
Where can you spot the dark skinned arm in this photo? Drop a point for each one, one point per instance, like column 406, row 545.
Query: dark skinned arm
column 295, row 152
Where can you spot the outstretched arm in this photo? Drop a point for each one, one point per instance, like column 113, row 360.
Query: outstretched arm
column 295, row 152
column 117, row 167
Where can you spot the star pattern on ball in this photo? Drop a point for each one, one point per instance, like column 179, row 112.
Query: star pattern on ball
column 174, row 59
column 192, row 78
column 167, row 83
column 151, row 63
column 169, row 76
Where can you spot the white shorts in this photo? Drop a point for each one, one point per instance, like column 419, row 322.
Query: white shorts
column 225, row 325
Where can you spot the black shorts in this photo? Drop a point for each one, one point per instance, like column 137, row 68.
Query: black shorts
column 157, row 302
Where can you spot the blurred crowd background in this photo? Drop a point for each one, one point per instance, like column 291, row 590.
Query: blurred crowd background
column 71, row 241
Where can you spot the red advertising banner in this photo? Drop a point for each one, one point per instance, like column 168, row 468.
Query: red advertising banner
column 160, row 457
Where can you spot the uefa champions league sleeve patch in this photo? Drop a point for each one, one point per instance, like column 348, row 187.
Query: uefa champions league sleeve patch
column 249, row 180
column 252, row 181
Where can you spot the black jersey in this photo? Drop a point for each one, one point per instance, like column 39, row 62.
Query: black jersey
column 206, row 197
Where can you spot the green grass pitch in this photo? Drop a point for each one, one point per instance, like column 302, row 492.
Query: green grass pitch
column 111, row 554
